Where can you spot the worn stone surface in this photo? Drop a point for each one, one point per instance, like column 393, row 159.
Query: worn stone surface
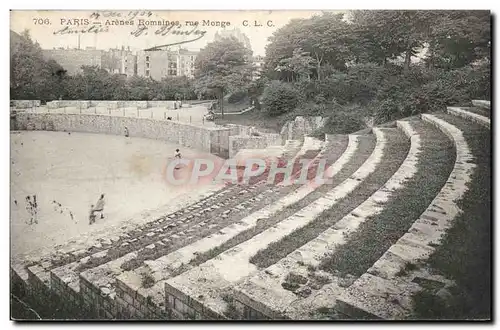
column 312, row 252
column 233, row 265
column 482, row 120
column 383, row 295
column 482, row 103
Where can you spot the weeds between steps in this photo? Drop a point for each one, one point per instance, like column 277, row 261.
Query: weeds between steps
column 465, row 253
column 394, row 154
column 374, row 236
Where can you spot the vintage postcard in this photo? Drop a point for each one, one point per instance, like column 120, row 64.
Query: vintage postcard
column 250, row 165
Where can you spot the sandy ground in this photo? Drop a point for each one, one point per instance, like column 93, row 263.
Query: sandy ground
column 73, row 170
column 192, row 115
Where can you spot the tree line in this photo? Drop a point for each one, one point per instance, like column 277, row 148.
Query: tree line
column 377, row 65
column 33, row 77
column 354, row 67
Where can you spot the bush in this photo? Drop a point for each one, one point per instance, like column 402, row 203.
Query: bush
column 237, row 97
column 428, row 90
column 343, row 123
column 280, row 97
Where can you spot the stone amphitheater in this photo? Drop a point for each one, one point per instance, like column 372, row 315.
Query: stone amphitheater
column 302, row 252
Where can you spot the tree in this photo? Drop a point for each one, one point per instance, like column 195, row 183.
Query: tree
column 459, row 38
column 388, row 34
column 224, row 66
column 32, row 77
column 299, row 64
column 322, row 36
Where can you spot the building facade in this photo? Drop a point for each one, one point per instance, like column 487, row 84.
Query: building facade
column 154, row 64
column 166, row 63
column 119, row 61
column 72, row 60
column 258, row 62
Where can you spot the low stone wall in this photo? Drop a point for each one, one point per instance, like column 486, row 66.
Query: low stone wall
column 238, row 142
column 208, row 139
column 301, row 126
column 25, row 104
column 84, row 104
column 248, row 137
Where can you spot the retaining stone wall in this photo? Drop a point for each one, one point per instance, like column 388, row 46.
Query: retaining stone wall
column 301, row 126
column 238, row 142
column 25, row 104
column 84, row 104
column 202, row 138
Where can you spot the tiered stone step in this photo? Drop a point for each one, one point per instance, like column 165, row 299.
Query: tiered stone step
column 191, row 255
column 477, row 115
column 100, row 280
column 67, row 254
column 386, row 289
column 291, row 148
column 482, row 104
column 97, row 283
column 270, row 293
column 215, row 278
column 344, row 251
column 38, row 273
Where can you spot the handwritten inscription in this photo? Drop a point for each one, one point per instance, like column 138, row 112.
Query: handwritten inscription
column 143, row 23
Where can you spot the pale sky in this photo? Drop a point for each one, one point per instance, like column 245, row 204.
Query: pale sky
column 116, row 36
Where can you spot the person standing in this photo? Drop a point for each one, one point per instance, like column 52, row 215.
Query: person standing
column 29, row 208
column 91, row 215
column 99, row 206
column 177, row 155
column 35, row 209
column 126, row 131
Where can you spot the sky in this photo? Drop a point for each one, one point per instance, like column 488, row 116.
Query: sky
column 61, row 28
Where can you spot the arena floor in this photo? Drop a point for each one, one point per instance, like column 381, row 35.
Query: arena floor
column 73, row 170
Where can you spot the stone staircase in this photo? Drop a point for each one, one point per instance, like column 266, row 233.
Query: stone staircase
column 324, row 250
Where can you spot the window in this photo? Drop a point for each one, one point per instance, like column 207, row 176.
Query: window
column 147, row 73
column 147, row 65
column 147, row 58
column 192, row 58
column 125, row 68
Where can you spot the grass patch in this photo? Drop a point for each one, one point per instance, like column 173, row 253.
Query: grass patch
column 147, row 280
column 409, row 267
column 365, row 148
column 131, row 264
column 255, row 118
column 374, row 236
column 92, row 263
column 478, row 111
column 394, row 154
column 465, row 253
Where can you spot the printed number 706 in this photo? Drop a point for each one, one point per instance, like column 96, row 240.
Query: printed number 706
column 41, row 21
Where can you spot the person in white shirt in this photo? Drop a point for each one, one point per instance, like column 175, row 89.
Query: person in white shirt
column 177, row 155
column 99, row 206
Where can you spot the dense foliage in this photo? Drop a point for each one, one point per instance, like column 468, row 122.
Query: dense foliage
column 280, row 97
column 392, row 63
column 32, row 77
column 223, row 66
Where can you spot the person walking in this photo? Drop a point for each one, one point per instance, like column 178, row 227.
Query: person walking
column 126, row 131
column 99, row 206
